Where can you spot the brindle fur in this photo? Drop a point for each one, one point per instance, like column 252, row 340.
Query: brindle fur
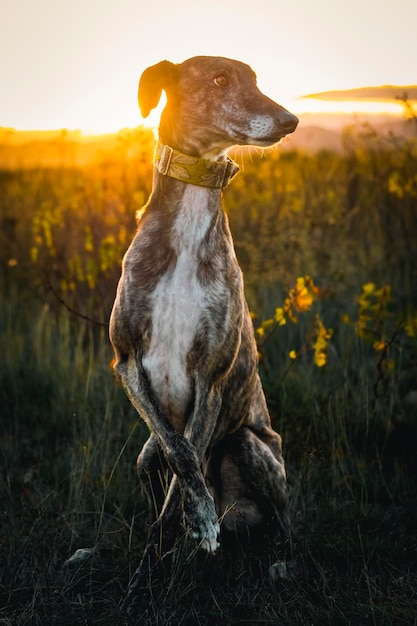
column 180, row 325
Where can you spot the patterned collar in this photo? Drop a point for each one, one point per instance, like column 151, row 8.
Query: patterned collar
column 193, row 170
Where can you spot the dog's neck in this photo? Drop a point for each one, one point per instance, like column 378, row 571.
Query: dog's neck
column 193, row 170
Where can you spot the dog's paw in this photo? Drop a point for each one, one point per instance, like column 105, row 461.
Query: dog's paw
column 208, row 539
column 285, row 570
column 201, row 520
column 278, row 571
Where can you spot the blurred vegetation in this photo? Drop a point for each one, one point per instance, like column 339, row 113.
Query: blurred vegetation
column 327, row 243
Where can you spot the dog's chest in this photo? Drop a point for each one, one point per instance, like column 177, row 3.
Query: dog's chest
column 178, row 304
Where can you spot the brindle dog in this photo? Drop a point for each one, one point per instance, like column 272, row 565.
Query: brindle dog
column 180, row 326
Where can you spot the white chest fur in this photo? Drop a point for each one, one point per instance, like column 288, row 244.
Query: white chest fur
column 178, row 302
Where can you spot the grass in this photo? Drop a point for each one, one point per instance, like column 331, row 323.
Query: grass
column 68, row 445
column 69, row 437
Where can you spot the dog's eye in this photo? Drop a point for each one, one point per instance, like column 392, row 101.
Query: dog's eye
column 220, row 80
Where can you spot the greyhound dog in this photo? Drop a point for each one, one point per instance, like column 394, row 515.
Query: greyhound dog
column 180, row 326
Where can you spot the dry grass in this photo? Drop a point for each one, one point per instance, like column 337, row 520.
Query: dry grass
column 69, row 437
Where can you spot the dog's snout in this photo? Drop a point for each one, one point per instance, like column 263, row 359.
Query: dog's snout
column 288, row 121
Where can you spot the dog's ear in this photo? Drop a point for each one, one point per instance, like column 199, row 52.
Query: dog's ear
column 152, row 82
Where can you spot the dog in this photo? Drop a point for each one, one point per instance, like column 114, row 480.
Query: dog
column 180, row 327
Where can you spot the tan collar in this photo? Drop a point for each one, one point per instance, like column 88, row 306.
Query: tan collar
column 194, row 170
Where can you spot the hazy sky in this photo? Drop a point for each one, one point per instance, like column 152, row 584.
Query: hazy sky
column 76, row 63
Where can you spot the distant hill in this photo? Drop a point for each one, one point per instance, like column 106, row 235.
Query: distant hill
column 313, row 138
column 385, row 93
column 63, row 148
column 323, row 131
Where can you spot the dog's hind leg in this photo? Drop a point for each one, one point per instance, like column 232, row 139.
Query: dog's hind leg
column 251, row 484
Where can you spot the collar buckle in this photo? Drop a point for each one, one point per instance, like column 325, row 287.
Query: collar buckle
column 165, row 160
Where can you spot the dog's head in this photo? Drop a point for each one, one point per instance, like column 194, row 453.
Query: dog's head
column 213, row 103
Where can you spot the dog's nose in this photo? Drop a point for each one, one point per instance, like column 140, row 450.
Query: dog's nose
column 288, row 121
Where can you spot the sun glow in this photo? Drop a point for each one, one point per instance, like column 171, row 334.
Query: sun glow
column 76, row 66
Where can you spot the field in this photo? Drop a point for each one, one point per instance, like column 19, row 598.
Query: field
column 327, row 243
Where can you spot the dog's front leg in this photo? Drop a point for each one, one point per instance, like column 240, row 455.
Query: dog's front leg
column 189, row 488
column 199, row 512
column 183, row 453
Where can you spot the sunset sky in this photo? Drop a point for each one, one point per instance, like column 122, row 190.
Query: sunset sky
column 75, row 64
